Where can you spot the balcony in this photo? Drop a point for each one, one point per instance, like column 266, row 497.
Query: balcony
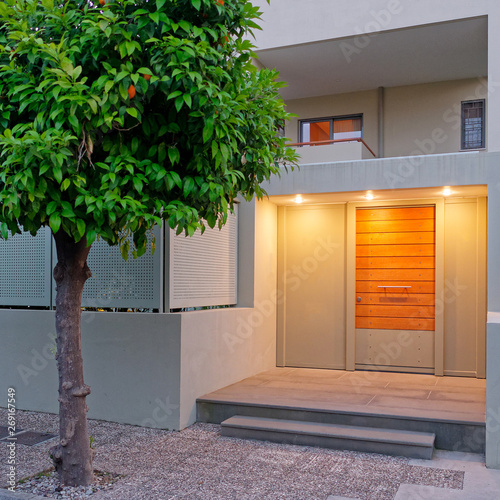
column 332, row 151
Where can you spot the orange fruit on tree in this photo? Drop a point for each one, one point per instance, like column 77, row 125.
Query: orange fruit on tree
column 147, row 77
column 102, row 2
column 131, row 91
column 220, row 2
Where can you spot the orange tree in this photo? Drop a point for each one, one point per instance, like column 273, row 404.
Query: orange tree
column 115, row 116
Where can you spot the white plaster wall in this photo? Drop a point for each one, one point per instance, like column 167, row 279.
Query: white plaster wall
column 342, row 151
column 222, row 346
column 289, row 22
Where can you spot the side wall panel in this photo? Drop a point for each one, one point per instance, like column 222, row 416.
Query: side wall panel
column 312, row 279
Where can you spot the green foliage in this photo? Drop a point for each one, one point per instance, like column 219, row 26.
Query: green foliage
column 116, row 117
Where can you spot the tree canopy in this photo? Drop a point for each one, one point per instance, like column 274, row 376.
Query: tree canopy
column 115, row 115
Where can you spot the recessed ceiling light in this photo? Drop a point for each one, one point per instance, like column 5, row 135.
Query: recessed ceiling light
column 369, row 196
column 298, row 199
column 446, row 191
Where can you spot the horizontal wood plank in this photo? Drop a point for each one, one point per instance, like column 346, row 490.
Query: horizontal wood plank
column 395, row 311
column 402, row 213
column 425, row 250
column 395, row 226
column 416, row 287
column 395, row 262
column 396, row 296
column 396, row 323
column 395, row 238
column 402, row 275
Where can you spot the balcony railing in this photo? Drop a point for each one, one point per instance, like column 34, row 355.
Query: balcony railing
column 333, row 150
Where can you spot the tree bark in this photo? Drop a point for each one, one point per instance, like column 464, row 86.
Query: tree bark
column 73, row 455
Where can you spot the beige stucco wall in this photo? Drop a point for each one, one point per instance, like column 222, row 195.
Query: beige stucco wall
column 418, row 119
column 222, row 346
column 295, row 22
column 425, row 119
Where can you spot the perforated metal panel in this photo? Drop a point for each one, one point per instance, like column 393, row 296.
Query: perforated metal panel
column 25, row 269
column 117, row 283
column 203, row 268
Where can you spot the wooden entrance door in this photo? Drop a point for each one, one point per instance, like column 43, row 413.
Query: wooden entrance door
column 395, row 272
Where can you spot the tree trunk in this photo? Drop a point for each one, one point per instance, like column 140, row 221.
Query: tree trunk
column 73, row 455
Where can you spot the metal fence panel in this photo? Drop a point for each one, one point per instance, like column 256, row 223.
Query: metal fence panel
column 203, row 267
column 25, row 269
column 116, row 283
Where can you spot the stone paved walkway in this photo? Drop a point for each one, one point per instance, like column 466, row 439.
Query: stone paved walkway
column 198, row 463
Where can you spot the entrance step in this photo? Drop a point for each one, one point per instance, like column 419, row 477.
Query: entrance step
column 451, row 434
column 344, row 437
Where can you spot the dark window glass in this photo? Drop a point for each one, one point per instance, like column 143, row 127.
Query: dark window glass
column 473, row 124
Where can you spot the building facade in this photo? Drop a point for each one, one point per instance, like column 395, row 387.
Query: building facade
column 380, row 252
column 387, row 242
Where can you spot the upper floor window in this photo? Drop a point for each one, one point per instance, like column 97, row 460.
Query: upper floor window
column 328, row 129
column 473, row 124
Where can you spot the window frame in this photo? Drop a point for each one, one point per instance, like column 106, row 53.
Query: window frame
column 331, row 119
column 463, row 145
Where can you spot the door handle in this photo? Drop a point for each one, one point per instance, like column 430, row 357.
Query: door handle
column 358, row 299
column 402, row 286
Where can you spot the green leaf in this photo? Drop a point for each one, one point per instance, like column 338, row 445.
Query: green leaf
column 134, row 146
column 208, row 129
column 93, row 105
column 55, row 222
column 196, row 4
column 108, row 85
column 124, row 249
column 179, row 101
column 51, row 207
column 132, row 112
column 187, row 99
column 137, row 184
column 4, row 230
column 80, row 226
column 174, row 155
column 74, row 121
column 155, row 17
column 91, row 237
column 67, row 210
column 57, row 174
column 188, row 186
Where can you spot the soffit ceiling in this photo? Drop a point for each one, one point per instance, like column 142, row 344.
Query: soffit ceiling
column 405, row 195
column 431, row 53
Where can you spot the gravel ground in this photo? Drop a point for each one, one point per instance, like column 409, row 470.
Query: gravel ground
column 198, row 463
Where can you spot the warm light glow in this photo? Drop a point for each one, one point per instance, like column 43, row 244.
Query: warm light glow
column 446, row 191
column 369, row 196
column 298, row 199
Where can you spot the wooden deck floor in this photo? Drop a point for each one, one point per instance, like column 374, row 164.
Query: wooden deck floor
column 451, row 399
